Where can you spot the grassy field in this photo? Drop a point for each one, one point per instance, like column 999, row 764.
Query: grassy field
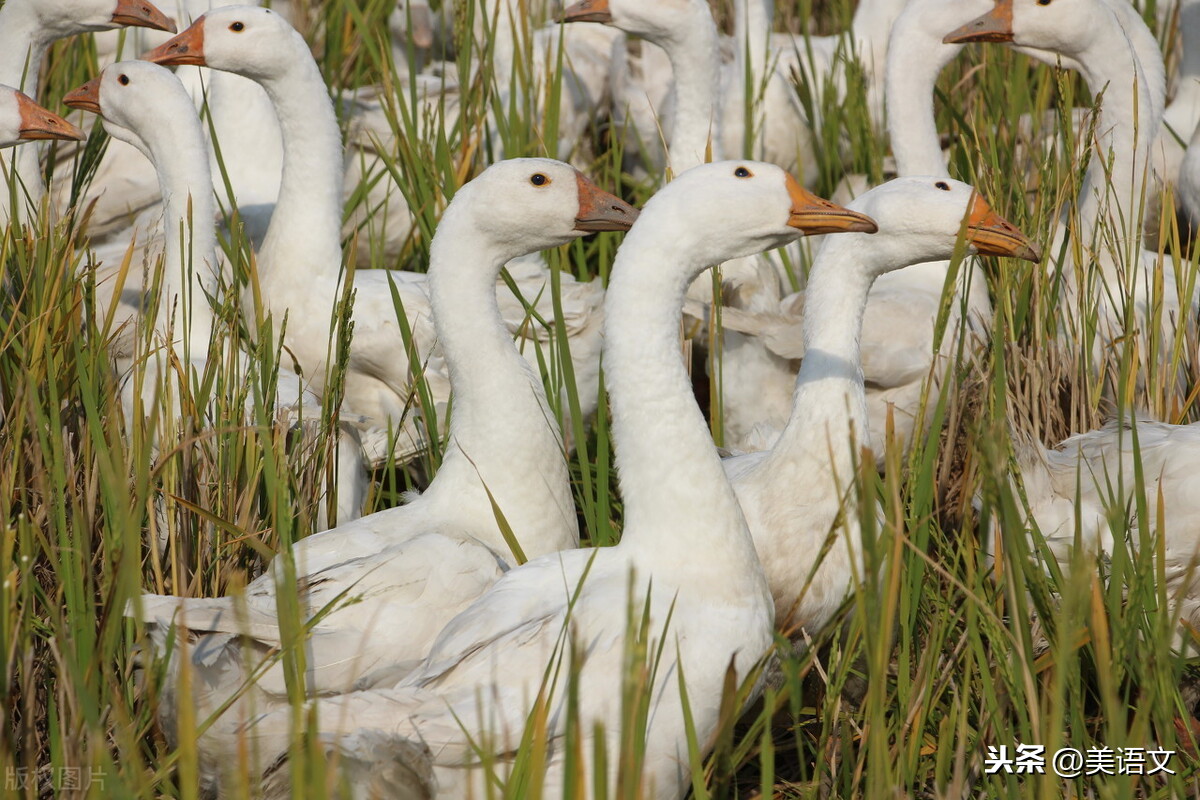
column 935, row 662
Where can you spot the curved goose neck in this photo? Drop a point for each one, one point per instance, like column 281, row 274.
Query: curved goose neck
column 693, row 50
column 916, row 56
column 672, row 481
column 872, row 27
column 247, row 131
column 1127, row 127
column 306, row 225
column 23, row 43
column 490, row 381
column 829, row 406
column 180, row 156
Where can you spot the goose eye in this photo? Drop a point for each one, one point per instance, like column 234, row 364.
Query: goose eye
column 1043, row 2
column 742, row 172
column 538, row 179
column 237, row 27
column 123, row 79
column 945, row 187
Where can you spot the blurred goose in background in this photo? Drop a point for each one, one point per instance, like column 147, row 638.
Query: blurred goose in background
column 27, row 29
column 685, row 561
column 801, row 497
column 148, row 107
column 376, row 592
column 303, row 238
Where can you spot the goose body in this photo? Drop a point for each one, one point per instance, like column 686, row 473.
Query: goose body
column 1084, row 493
column 685, row 552
column 385, row 585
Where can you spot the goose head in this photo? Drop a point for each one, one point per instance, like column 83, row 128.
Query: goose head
column 523, row 205
column 22, row 120
column 1057, row 26
column 62, row 18
column 729, row 209
column 663, row 20
column 130, row 96
column 254, row 42
column 920, row 220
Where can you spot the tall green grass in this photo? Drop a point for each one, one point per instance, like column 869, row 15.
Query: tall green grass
column 958, row 640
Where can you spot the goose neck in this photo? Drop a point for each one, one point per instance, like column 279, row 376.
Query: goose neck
column 915, row 59
column 676, row 495
column 829, row 403
column 1127, row 126
column 306, row 224
column 176, row 146
column 490, row 381
column 693, row 50
column 23, row 43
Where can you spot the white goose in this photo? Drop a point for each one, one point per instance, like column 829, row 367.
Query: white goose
column 1081, row 491
column 803, row 489
column 22, row 120
column 1116, row 269
column 304, row 238
column 27, row 29
column 685, row 555
column 412, row 568
column 147, row 107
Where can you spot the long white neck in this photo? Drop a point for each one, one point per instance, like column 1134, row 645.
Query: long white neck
column 1129, row 121
column 752, row 24
column 23, row 43
column 694, row 53
column 306, row 226
column 829, row 406
column 190, row 269
column 871, row 27
column 916, row 56
column 247, row 131
column 672, row 481
column 490, row 381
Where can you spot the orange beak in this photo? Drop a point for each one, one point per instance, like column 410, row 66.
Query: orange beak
column 38, row 123
column 186, row 48
column 813, row 215
column 601, row 211
column 142, row 14
column 86, row 97
column 994, row 26
column 587, row 11
column 993, row 235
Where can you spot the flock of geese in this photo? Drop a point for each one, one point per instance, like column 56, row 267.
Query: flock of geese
column 431, row 625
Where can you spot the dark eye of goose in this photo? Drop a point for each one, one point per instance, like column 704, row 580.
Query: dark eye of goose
column 237, row 27
column 123, row 79
column 742, row 172
column 538, row 179
column 1043, row 2
column 945, row 187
